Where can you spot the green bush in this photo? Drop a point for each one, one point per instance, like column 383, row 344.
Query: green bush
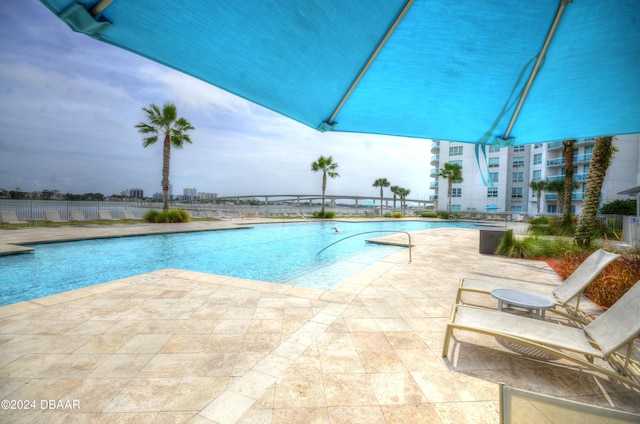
column 619, row 207
column 428, row 214
column 326, row 214
column 541, row 220
column 443, row 215
column 396, row 215
column 533, row 247
column 169, row 216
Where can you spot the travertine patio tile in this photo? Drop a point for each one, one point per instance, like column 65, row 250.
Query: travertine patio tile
column 348, row 389
column 176, row 346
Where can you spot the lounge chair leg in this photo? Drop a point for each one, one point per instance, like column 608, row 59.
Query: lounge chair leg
column 447, row 339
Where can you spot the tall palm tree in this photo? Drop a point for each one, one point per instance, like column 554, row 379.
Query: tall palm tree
column 382, row 183
column 452, row 172
column 394, row 190
column 328, row 168
column 165, row 122
column 569, row 147
column 601, row 156
column 559, row 186
column 403, row 192
column 538, row 186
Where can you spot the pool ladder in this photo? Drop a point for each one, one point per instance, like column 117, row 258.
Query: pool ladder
column 369, row 232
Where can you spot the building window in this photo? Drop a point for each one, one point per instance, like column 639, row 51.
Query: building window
column 516, row 193
column 537, row 146
column 517, row 177
column 494, row 176
column 537, row 159
column 551, row 208
column 518, row 148
column 456, row 192
column 494, row 149
column 534, row 194
column 455, row 151
column 516, row 208
column 494, row 162
column 492, row 191
column 537, row 175
column 518, row 162
column 456, row 207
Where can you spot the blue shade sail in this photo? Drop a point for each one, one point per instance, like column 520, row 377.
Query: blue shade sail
column 435, row 69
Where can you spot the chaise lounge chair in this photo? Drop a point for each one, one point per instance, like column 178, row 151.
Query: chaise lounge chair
column 106, row 216
column 77, row 216
column 615, row 328
column 129, row 215
column 53, row 216
column 519, row 406
column 10, row 217
column 570, row 288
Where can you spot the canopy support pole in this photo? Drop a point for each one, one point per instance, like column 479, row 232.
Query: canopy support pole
column 536, row 68
column 329, row 122
column 100, row 7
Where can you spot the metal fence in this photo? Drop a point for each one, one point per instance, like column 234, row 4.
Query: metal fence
column 33, row 210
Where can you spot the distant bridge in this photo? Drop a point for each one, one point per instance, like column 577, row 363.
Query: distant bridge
column 301, row 198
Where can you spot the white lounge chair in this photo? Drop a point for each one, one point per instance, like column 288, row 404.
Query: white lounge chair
column 129, row 215
column 10, row 217
column 106, row 216
column 602, row 338
column 77, row 216
column 570, row 289
column 53, row 216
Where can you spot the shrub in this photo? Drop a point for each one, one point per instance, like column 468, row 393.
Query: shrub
column 428, row 214
column 619, row 207
column 541, row 220
column 396, row 215
column 533, row 247
column 169, row 216
column 326, row 214
column 443, row 215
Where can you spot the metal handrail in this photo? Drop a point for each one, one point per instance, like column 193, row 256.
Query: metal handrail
column 369, row 232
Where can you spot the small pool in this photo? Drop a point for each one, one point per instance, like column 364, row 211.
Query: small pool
column 279, row 253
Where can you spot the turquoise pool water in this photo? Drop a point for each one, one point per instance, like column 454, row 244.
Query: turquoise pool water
column 279, row 253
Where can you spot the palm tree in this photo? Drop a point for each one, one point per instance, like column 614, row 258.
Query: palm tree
column 403, row 192
column 601, row 156
column 452, row 172
column 538, row 186
column 328, row 168
column 382, row 183
column 394, row 190
column 165, row 122
column 568, row 181
column 559, row 186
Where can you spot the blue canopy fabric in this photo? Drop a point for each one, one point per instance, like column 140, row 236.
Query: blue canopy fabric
column 434, row 69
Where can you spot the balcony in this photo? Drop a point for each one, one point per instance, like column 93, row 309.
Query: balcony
column 576, row 159
column 433, row 197
column 576, row 177
column 435, row 160
column 433, row 184
column 558, row 144
column 434, row 172
column 574, row 196
column 435, row 147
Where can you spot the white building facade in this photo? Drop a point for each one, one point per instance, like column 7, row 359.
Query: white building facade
column 498, row 179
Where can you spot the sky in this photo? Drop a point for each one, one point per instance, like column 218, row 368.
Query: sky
column 69, row 104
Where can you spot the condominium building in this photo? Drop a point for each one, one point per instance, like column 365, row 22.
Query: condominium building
column 498, row 179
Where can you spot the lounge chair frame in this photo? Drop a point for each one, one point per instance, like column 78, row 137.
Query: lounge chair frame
column 602, row 338
column 571, row 288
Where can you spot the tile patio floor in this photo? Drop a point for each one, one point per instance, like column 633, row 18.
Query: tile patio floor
column 177, row 346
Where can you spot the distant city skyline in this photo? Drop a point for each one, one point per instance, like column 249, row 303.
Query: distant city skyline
column 69, row 103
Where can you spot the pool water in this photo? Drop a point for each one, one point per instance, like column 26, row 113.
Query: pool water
column 279, row 253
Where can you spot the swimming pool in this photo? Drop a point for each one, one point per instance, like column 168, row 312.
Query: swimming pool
column 279, row 253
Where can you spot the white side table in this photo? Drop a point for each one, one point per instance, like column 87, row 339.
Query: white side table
column 532, row 303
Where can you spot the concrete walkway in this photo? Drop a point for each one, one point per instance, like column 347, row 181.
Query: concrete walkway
column 177, row 346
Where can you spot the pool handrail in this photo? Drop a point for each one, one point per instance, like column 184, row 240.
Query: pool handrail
column 369, row 232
